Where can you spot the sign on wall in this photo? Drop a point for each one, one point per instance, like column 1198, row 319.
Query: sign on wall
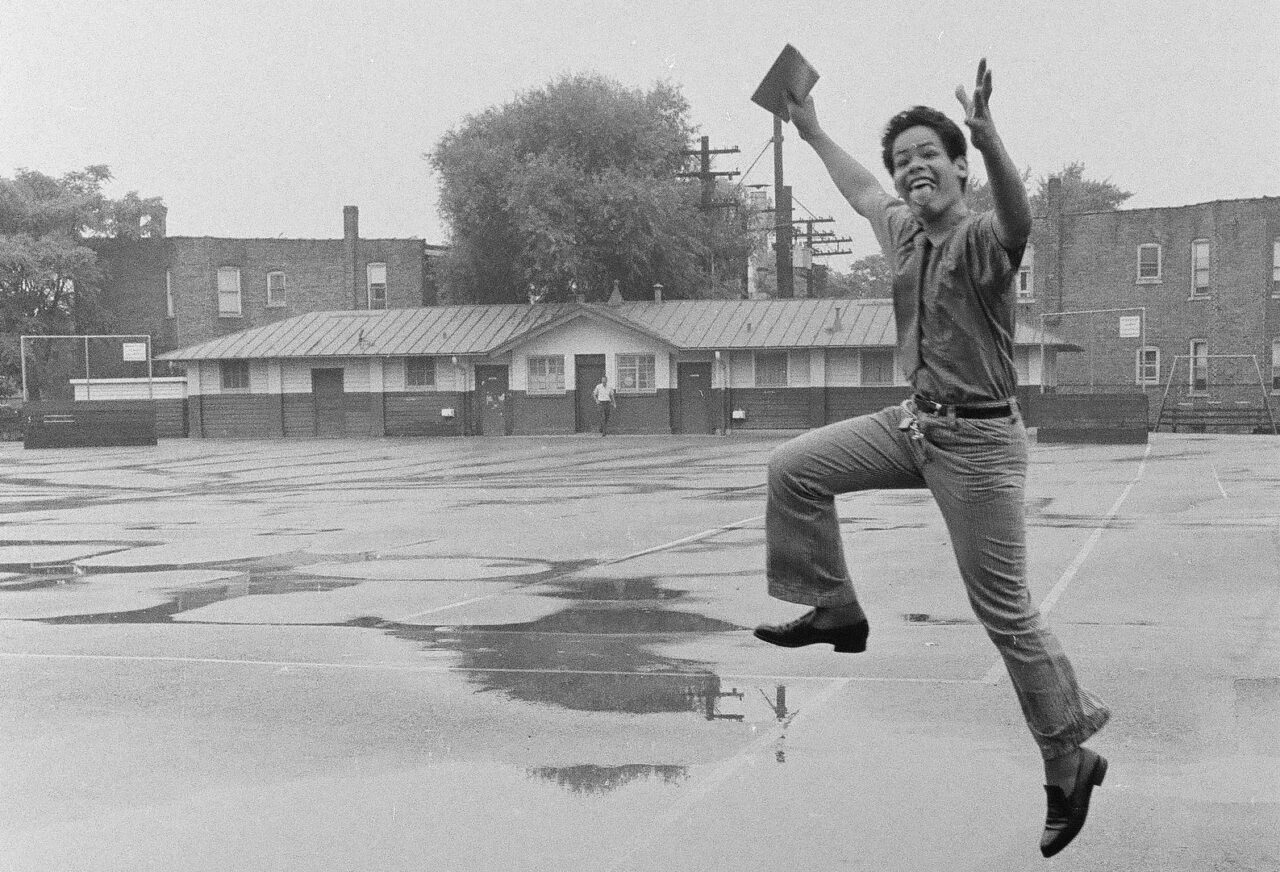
column 1130, row 326
column 134, row 351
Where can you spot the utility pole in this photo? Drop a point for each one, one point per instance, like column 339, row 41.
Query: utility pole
column 782, row 214
column 707, row 176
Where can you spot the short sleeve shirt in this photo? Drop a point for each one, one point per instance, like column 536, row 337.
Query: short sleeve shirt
column 603, row 394
column 963, row 288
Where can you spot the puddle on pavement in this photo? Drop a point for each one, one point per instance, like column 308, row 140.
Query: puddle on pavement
column 596, row 655
column 272, row 574
column 29, row 582
column 615, row 589
column 924, row 618
column 591, row 656
column 189, row 599
column 592, row 779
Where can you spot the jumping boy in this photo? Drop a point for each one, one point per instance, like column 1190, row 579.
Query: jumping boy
column 960, row 435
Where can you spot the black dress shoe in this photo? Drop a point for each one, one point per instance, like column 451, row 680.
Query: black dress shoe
column 1067, row 813
column 846, row 638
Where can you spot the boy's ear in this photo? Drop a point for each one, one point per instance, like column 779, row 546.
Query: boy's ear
column 962, row 165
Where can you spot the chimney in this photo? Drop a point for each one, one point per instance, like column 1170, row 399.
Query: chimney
column 351, row 253
column 159, row 223
column 657, row 292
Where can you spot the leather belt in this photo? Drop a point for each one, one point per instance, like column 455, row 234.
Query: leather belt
column 1003, row 410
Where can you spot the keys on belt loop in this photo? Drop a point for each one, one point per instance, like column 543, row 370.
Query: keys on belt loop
column 910, row 425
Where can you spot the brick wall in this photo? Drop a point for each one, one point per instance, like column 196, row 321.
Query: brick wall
column 133, row 288
column 1098, row 270
column 320, row 276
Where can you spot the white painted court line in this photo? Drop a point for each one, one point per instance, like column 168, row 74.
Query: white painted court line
column 672, row 544
column 449, row 670
column 1218, row 481
column 997, row 669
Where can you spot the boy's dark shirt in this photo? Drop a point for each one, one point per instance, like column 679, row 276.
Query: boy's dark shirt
column 964, row 286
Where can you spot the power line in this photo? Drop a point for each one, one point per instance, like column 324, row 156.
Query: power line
column 768, row 142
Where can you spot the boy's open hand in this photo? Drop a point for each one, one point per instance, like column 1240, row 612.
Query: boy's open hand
column 977, row 112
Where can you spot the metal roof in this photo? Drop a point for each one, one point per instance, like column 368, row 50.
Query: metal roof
column 493, row 329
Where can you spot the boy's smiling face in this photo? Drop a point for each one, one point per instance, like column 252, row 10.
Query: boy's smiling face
column 924, row 176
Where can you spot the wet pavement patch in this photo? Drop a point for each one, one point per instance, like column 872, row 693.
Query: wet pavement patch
column 592, row 779
column 585, row 658
column 199, row 596
column 614, row 590
column 925, row 618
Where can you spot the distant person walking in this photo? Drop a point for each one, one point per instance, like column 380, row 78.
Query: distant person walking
column 605, row 403
column 961, row 435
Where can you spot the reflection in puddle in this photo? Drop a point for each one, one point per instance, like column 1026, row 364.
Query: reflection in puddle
column 589, row 778
column 587, row 658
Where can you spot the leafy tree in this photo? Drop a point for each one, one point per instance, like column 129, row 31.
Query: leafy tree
column 868, row 277
column 49, row 276
column 1078, row 193
column 977, row 193
column 569, row 188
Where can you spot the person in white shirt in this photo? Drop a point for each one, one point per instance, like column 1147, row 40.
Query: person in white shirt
column 605, row 403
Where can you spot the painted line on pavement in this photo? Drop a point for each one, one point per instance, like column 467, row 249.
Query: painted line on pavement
column 1218, row 481
column 705, row 534
column 444, row 670
column 997, row 669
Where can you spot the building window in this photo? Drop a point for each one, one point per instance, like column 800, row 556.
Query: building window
column 377, row 276
column 546, row 375
column 1148, row 365
column 1200, row 268
column 229, row 292
column 771, row 369
column 275, row 288
column 636, row 373
column 1149, row 264
column 1275, row 267
column 877, row 366
column 1275, row 365
column 1199, row 369
column 169, row 308
column 235, row 375
column 1025, row 282
column 420, row 372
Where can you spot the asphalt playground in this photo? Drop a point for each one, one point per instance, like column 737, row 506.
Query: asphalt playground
column 535, row 654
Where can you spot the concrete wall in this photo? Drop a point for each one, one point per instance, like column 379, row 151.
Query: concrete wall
column 1098, row 418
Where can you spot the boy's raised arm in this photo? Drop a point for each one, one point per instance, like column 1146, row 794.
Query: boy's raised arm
column 1013, row 211
column 858, row 185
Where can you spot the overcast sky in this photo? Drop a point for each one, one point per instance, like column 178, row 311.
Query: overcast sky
column 263, row 119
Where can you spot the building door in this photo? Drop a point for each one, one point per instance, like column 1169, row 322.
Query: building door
column 693, row 381
column 588, row 369
column 327, row 389
column 493, row 396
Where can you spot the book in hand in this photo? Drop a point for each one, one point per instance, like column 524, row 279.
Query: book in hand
column 791, row 76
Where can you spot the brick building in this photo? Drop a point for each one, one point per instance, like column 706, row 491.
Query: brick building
column 1171, row 298
column 188, row 289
